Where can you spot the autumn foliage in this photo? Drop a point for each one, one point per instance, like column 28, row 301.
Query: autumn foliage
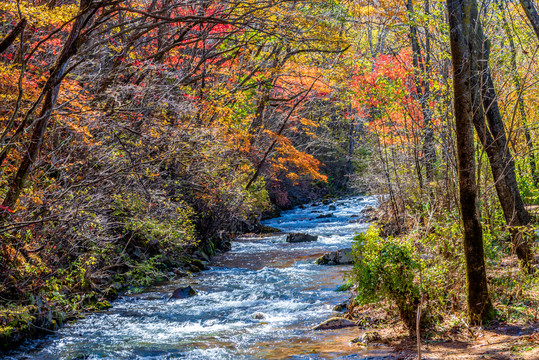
column 134, row 132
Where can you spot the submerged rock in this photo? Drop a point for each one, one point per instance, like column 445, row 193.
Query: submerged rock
column 335, row 323
column 324, row 216
column 183, row 292
column 300, row 237
column 339, row 257
column 258, row 316
column 332, row 208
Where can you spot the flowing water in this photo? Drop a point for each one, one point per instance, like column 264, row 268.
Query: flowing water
column 257, row 301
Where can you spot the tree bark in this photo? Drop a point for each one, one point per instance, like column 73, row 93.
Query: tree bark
column 8, row 40
column 57, row 72
column 532, row 15
column 478, row 301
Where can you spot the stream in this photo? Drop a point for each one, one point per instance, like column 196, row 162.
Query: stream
column 258, row 301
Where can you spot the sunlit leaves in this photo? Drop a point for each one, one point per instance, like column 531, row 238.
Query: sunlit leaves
column 40, row 15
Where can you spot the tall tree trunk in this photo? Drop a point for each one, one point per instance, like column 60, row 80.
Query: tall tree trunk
column 479, row 305
column 494, row 139
column 57, row 72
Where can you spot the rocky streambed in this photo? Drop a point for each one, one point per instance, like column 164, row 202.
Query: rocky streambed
column 260, row 300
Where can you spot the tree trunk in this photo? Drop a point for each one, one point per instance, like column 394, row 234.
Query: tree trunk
column 57, row 72
column 12, row 35
column 532, row 15
column 479, row 305
column 494, row 140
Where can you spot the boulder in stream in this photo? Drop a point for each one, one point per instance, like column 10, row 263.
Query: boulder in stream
column 325, row 216
column 300, row 237
column 332, row 208
column 183, row 292
column 335, row 323
column 339, row 257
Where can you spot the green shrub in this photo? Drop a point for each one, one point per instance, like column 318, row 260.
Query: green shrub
column 386, row 269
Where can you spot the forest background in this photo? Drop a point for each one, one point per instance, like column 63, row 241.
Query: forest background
column 138, row 136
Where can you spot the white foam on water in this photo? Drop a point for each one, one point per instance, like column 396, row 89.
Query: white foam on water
column 236, row 307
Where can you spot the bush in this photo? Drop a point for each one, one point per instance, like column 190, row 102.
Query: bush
column 385, row 269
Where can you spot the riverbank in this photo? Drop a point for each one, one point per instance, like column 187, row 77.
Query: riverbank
column 424, row 258
column 44, row 313
column 136, row 246
column 453, row 339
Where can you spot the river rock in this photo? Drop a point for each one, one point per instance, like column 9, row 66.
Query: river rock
column 368, row 210
column 300, row 237
column 324, row 216
column 339, row 257
column 183, row 292
column 334, row 323
column 179, row 273
column 369, row 213
column 368, row 338
column 332, row 208
column 201, row 255
column 268, row 230
column 341, row 307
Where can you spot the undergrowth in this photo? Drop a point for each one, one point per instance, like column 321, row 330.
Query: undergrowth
column 396, row 272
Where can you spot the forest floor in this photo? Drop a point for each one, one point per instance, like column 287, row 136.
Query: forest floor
column 496, row 342
column 514, row 335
